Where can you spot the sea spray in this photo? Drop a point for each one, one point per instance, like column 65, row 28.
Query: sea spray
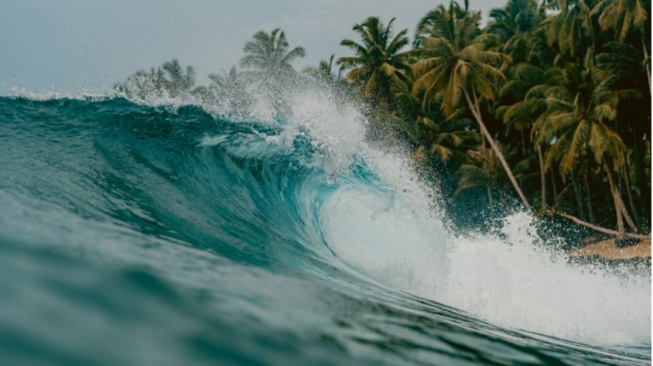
column 518, row 283
column 225, row 238
column 514, row 278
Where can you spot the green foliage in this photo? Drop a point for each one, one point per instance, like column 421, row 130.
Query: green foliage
column 230, row 90
column 514, row 25
column 168, row 80
column 323, row 73
column 267, row 63
column 455, row 58
column 377, row 64
column 564, row 84
column 268, row 59
column 621, row 16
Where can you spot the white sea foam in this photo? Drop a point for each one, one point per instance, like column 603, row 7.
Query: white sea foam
column 22, row 92
column 516, row 283
column 511, row 281
column 396, row 236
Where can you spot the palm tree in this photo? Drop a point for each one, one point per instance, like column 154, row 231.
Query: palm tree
column 141, row 84
column 177, row 81
column 580, row 109
column 268, row 57
column 622, row 61
column 514, row 24
column 625, row 16
column 447, row 139
column 571, row 30
column 377, row 61
column 432, row 134
column 323, row 73
column 167, row 80
column 527, row 84
column 621, row 16
column 463, row 69
column 482, row 170
column 230, row 90
column 433, row 24
column 268, row 62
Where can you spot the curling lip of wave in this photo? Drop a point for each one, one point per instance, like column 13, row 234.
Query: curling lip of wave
column 124, row 182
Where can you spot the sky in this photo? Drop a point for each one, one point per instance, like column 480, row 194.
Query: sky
column 74, row 46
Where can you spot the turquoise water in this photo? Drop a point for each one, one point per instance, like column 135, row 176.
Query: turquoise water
column 160, row 235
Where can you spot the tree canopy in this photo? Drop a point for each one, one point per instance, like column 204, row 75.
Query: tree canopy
column 548, row 103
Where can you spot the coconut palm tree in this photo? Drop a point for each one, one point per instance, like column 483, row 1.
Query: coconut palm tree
column 527, row 84
column 230, row 90
column 434, row 23
column 581, row 108
column 447, row 139
column 622, row 61
column 436, row 138
column 267, row 61
column 482, row 170
column 323, row 73
column 514, row 24
column 625, row 17
column 378, row 62
column 176, row 80
column 167, row 80
column 573, row 29
column 622, row 16
column 268, row 57
column 464, row 69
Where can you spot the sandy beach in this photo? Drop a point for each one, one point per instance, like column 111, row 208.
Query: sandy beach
column 608, row 249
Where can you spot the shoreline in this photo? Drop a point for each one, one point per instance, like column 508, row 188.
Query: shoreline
column 608, row 249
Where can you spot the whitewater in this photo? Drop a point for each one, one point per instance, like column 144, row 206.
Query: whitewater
column 164, row 232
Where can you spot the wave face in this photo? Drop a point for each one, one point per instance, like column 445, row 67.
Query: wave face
column 134, row 234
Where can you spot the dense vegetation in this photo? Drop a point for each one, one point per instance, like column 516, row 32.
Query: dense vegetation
column 548, row 104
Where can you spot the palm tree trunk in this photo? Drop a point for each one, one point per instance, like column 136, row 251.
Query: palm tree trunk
column 629, row 192
column 578, row 193
column 599, row 228
column 648, row 72
column 640, row 178
column 542, row 175
column 615, row 195
column 473, row 106
column 555, row 187
column 622, row 206
column 626, row 215
column 589, row 197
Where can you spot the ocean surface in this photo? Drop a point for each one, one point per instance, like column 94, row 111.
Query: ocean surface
column 171, row 234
